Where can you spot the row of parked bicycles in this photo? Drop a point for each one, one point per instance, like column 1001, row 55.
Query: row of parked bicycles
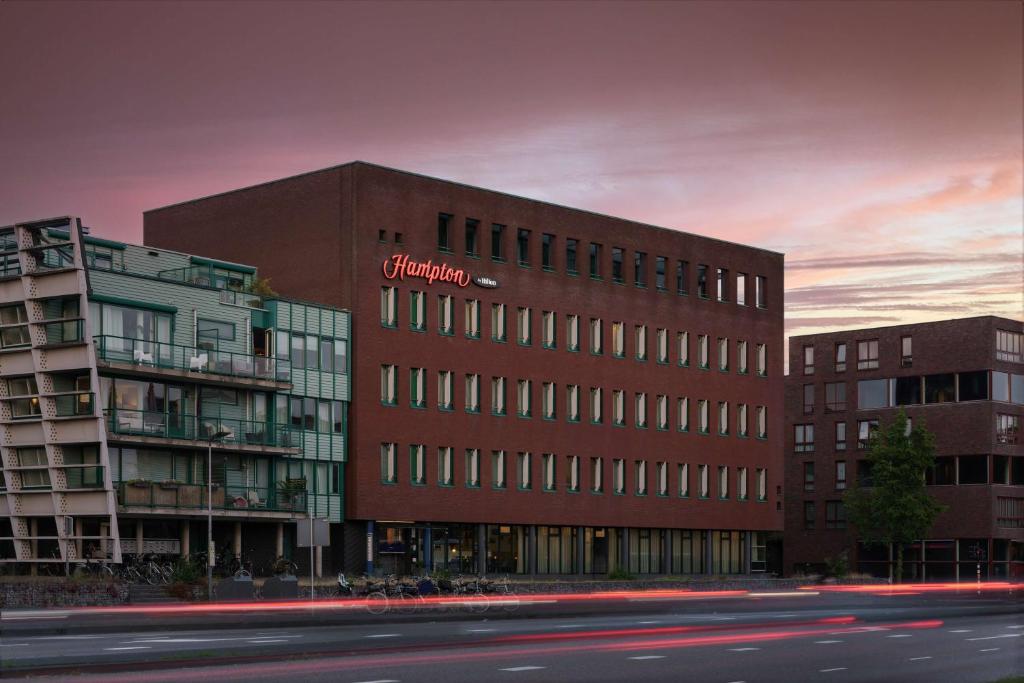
column 407, row 595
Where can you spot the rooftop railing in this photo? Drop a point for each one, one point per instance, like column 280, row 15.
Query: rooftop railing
column 197, row 428
column 152, row 494
column 146, row 353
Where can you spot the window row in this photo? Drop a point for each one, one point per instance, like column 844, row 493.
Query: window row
column 571, row 402
column 642, row 478
column 312, row 352
column 726, row 286
column 950, row 387
column 867, row 355
column 803, row 435
column 835, row 515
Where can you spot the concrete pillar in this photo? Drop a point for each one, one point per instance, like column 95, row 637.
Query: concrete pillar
column 481, row 549
column 748, row 545
column 278, row 540
column 666, row 559
column 319, row 561
column 531, row 550
column 186, row 538
column 236, row 541
column 707, row 551
column 579, row 550
column 624, row 549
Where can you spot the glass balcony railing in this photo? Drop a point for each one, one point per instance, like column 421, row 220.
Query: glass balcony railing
column 175, row 356
column 196, row 428
column 152, row 494
column 45, row 257
column 208, row 276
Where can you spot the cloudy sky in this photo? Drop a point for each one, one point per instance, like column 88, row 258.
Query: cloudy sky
column 879, row 145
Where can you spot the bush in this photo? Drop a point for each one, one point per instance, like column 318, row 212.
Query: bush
column 186, row 571
column 620, row 575
column 839, row 566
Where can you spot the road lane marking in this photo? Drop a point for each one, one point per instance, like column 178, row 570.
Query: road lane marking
column 1016, row 626
column 641, row 657
column 838, row 668
column 383, row 635
column 269, row 640
column 482, row 630
column 826, row 642
column 69, row 637
column 13, row 644
column 136, row 647
column 744, row 649
column 899, row 635
column 989, row 649
column 962, row 630
column 648, row 622
column 1005, row 635
column 569, row 626
column 782, row 594
column 918, row 659
column 522, row 668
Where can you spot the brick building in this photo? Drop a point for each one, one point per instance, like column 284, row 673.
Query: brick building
column 964, row 379
column 536, row 389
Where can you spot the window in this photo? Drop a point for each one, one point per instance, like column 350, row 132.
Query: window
column 840, row 436
column 389, row 307
column 445, row 467
column 906, row 352
column 14, row 327
column 497, row 242
column 874, row 393
column 973, row 386
column 661, row 478
column 498, row 476
column 445, row 389
column 723, row 481
column 619, row 476
column 523, row 247
column 572, row 401
column 524, row 472
column 702, row 351
column 327, row 354
column 547, row 247
column 760, row 293
column 596, row 475
column 617, row 256
column 595, row 405
column 549, row 339
column 547, row 461
column 865, row 428
column 741, row 483
column 1008, row 346
column 907, row 390
column 803, row 438
column 741, row 289
column 641, row 410
column 640, row 269
column 443, row 238
column 1007, row 429
column 808, row 514
column 835, row 515
column 472, row 244
column 214, row 331
column 618, row 407
column 661, row 412
column 762, row 484
column 741, row 420
column 659, row 273
column 1000, row 387
column 762, row 422
column 473, row 318
column 618, row 340
column 388, row 385
column 723, row 418
column 473, row 393
column 498, row 396
column 444, row 314
column 548, row 400
column 662, row 344
column 417, row 464
column 572, row 332
column 940, row 388
column 684, row 480
column 498, row 323
column 722, row 276
column 808, row 399
column 840, row 357
column 28, row 405
column 683, row 412
column 596, row 343
column 835, row 396
column 762, row 360
column 1017, row 389
column 640, row 474
column 472, row 468
column 867, row 354
column 571, row 249
column 703, row 483
column 702, row 416
column 808, row 360
column 683, row 344
column 723, row 354
column 417, row 387
column 524, row 332
column 840, row 475
column 595, row 260
column 682, row 286
column 572, row 483
column 742, row 364
column 523, row 395
column 702, row 281
column 418, row 311
column 640, row 341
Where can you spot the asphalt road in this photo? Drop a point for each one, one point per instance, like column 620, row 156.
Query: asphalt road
column 933, row 637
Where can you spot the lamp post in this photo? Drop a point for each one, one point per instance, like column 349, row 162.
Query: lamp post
column 216, row 436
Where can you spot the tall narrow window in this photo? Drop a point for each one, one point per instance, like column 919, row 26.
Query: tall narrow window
column 906, row 352
column 762, row 484
column 867, row 355
column 572, row 483
column 808, row 399
column 472, row 468
column 684, row 480
column 723, row 354
column 498, row 333
column 702, row 416
column 741, row 289
column 683, row 344
column 524, row 325
column 702, row 281
column 445, row 316
column 762, row 360
column 549, row 339
column 473, row 318
column 618, row 340
column 723, row 481
column 617, row 257
column 473, row 393
column 572, row 399
column 497, row 242
column 523, row 247
column 702, row 351
column 803, row 438
column 835, row 397
column 498, row 395
column 762, row 422
column 596, row 416
column 640, row 341
column 418, row 311
column 840, row 436
column 661, row 475
column 618, row 407
column 659, row 273
column 840, row 475
column 571, row 251
column 760, row 291
column 619, row 476
column 722, row 276
column 444, row 221
column 808, row 360
column 498, row 470
column 741, row 483
column 683, row 414
column 547, row 461
column 388, row 385
column 640, row 474
column 640, row 269
column 682, row 286
column 595, row 260
column 662, row 342
column 524, row 473
column 840, row 356
column 472, row 238
column 388, row 463
column 445, row 467
column 641, row 410
column 742, row 366
column 597, row 475
column 723, row 417
column 547, row 251
column 808, row 469
column 523, row 395
column 388, row 306
column 596, row 342
column 417, row 387
column 703, row 481
column 741, row 420
column 548, row 390
column 661, row 412
column 417, row 464
column 445, row 389
column 572, row 332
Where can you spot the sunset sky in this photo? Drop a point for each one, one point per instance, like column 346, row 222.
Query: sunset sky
column 879, row 145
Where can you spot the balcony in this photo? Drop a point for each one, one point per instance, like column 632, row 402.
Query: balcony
column 160, row 359
column 253, row 500
column 209, row 275
column 142, row 426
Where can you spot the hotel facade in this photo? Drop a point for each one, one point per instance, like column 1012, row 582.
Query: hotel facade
column 963, row 380
column 536, row 389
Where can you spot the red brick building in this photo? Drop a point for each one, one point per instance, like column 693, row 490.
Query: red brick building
column 536, row 389
column 964, row 379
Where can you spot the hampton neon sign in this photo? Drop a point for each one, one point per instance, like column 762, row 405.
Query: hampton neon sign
column 401, row 266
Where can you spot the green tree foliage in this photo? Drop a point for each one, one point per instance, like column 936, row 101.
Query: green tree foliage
column 895, row 508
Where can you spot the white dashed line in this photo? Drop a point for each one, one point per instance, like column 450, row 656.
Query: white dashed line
column 899, row 635
column 1005, row 635
column 68, row 637
column 826, row 671
column 383, row 635
column 989, row 649
column 569, row 626
column 648, row 622
column 744, row 649
column 826, row 642
column 641, row 657
column 482, row 630
column 1016, row 626
column 522, row 668
column 269, row 640
column 961, row 630
column 13, row 644
column 918, row 659
column 136, row 647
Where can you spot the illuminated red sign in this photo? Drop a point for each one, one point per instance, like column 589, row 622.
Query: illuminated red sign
column 400, row 265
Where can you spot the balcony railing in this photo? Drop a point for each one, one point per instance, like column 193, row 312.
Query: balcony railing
column 193, row 496
column 207, row 276
column 197, row 428
column 146, row 353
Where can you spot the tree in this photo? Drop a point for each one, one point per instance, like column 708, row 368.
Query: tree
column 895, row 509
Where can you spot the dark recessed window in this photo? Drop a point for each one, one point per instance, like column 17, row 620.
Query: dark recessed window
column 444, row 222
column 472, row 237
column 617, row 264
column 571, row 249
column 723, row 284
column 382, row 235
column 640, row 269
column 940, row 388
column 398, row 238
column 659, row 273
column 702, row 281
column 972, row 469
column 907, row 391
column 523, row 247
column 547, row 247
column 682, row 286
column 595, row 260
column 497, row 242
column 974, row 385
column 835, row 396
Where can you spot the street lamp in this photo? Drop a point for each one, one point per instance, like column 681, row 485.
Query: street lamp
column 216, row 436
